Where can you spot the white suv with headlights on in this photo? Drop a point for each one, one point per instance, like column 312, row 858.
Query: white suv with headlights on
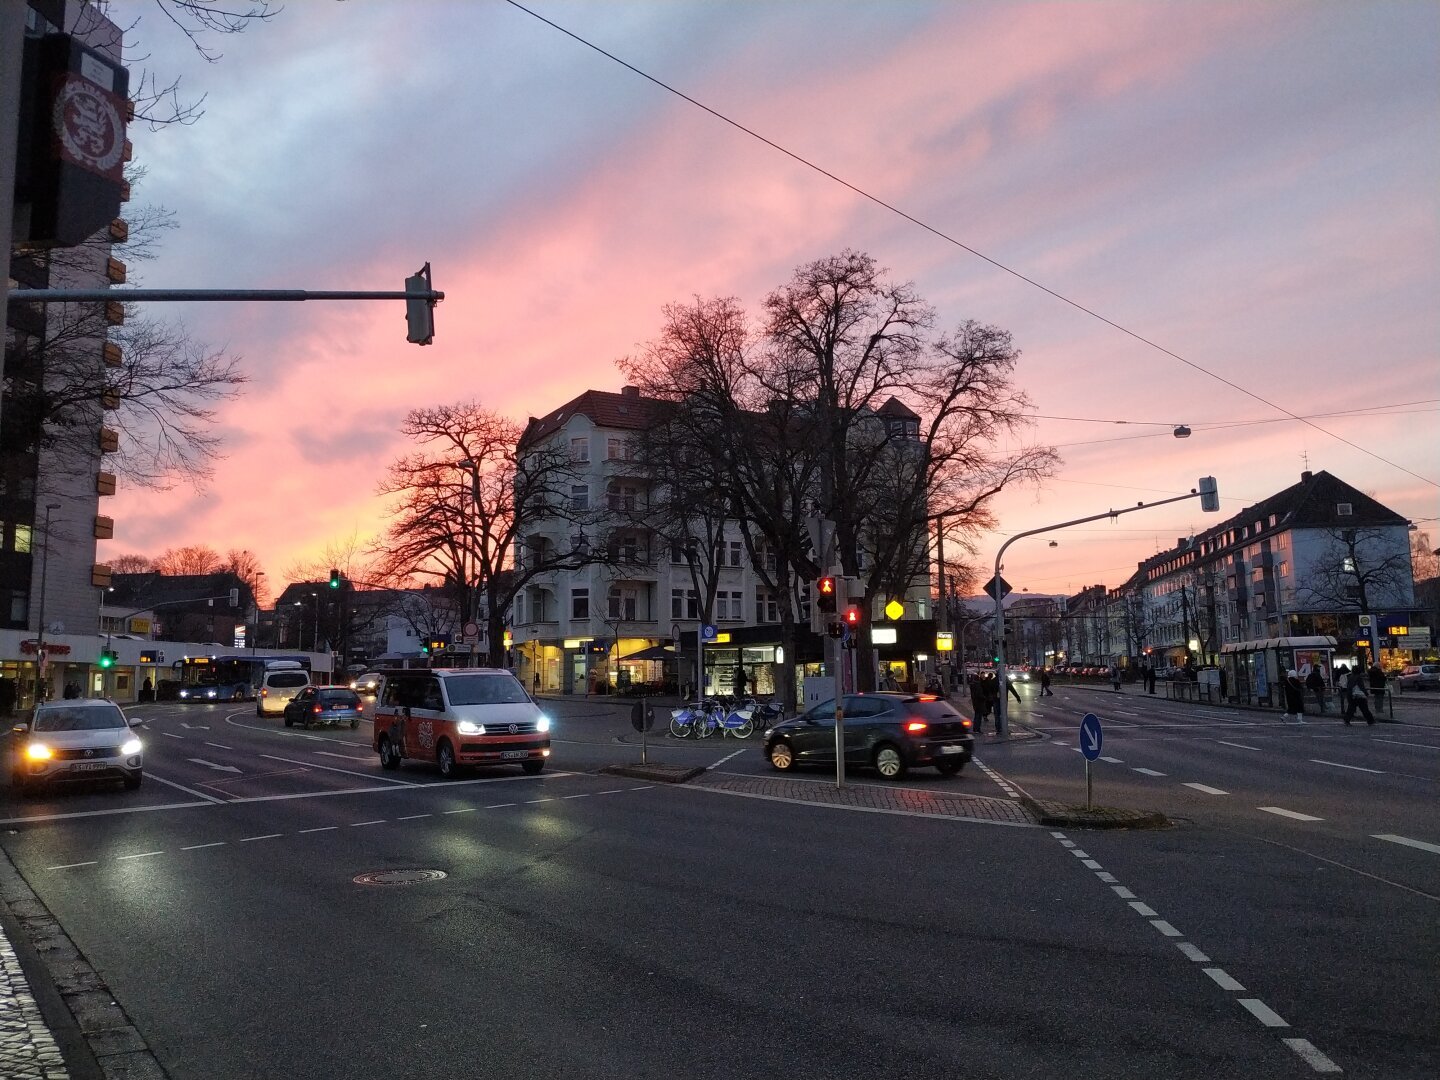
column 76, row 739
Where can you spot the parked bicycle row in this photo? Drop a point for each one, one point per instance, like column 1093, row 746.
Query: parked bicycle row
column 725, row 716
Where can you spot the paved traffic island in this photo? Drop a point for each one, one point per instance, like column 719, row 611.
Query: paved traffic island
column 663, row 774
column 1052, row 813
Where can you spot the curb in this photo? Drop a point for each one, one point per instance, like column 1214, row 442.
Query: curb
column 1048, row 812
column 116, row 1045
column 665, row 774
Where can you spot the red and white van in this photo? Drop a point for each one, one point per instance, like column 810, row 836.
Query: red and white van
column 457, row 717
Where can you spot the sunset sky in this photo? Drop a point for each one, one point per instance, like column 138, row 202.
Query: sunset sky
column 1252, row 186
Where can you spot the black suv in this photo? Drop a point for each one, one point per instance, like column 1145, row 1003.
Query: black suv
column 891, row 732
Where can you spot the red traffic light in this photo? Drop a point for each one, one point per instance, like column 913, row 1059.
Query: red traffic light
column 825, row 592
column 852, row 616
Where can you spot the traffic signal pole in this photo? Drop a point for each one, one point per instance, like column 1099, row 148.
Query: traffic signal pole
column 1209, row 497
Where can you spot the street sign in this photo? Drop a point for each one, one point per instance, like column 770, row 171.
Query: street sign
column 708, row 632
column 472, row 630
column 997, row 583
column 1090, row 736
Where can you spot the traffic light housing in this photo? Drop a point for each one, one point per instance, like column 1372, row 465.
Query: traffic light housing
column 853, row 617
column 334, row 579
column 825, row 594
column 419, row 309
column 107, row 658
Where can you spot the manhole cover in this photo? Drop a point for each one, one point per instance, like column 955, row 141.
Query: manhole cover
column 398, row 877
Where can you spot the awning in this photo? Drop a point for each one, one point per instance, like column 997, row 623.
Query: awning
column 654, row 652
column 1312, row 641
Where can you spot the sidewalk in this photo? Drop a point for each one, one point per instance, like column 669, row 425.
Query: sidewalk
column 1416, row 707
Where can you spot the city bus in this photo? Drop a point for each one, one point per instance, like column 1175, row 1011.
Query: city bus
column 235, row 676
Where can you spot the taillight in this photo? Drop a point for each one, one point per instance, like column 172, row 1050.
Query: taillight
column 319, row 708
column 966, row 723
column 264, row 691
column 916, row 725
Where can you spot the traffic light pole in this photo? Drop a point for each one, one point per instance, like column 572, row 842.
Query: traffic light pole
column 1209, row 500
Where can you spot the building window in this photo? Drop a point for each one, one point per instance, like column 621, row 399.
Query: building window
column 729, row 605
column 621, row 603
column 622, row 496
column 1342, row 510
column 684, row 604
column 579, row 497
column 728, row 553
column 1284, row 569
column 580, row 603
column 580, row 450
column 677, row 552
column 20, row 540
column 617, row 449
column 767, row 607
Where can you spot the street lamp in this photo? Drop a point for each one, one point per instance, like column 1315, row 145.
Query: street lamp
column 255, row 599
column 44, row 573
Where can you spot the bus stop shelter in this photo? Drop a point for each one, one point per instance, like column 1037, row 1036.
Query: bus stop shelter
column 1256, row 669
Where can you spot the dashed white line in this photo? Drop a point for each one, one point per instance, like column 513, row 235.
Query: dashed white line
column 197, row 847
column 532, row 802
column 1068, row 843
column 1142, row 908
column 1150, row 772
column 584, row 795
column 1106, row 876
column 1192, row 952
column 498, row 805
column 611, row 791
column 1238, row 745
column 1421, row 844
column 221, row 746
column 1262, row 1012
column 1113, row 760
column 1122, row 892
column 1282, row 812
column 71, row 865
column 1091, row 864
column 1311, row 1056
column 267, row 836
column 1079, row 854
column 141, row 855
column 1165, row 928
column 1342, row 765
column 357, row 824
column 1223, row 980
column 463, row 810
column 724, row 759
column 171, row 735
column 413, row 817
column 322, row 828
column 1207, row 789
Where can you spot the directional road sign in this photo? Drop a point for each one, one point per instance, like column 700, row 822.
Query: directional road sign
column 1090, row 736
column 997, row 584
column 708, row 632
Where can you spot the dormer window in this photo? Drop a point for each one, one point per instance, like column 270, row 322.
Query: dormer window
column 1342, row 510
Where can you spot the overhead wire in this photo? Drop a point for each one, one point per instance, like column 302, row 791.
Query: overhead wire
column 933, row 230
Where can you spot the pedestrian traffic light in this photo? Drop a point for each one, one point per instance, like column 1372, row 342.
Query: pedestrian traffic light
column 852, row 617
column 334, row 579
column 234, row 597
column 825, row 594
column 835, row 629
column 107, row 658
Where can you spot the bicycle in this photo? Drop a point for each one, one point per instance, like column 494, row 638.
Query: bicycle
column 683, row 719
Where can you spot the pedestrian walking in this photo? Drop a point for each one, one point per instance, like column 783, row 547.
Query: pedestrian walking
column 1377, row 685
column 1357, row 697
column 1010, row 687
column 1294, row 692
column 1315, row 683
column 1149, row 672
column 1115, row 678
column 1045, row 690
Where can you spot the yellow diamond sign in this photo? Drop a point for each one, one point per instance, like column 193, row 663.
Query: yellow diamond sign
column 894, row 609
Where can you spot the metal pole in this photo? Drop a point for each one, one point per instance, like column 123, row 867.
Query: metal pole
column 837, row 650
column 1089, row 790
column 44, row 575
column 66, row 296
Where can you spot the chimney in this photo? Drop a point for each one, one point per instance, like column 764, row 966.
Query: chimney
column 1306, row 476
column 630, row 391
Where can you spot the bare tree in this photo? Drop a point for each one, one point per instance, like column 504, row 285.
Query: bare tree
column 131, row 564
column 458, row 505
column 191, row 559
column 1358, row 570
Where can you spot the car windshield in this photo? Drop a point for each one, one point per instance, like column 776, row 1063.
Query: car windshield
column 497, row 689
column 336, row 697
column 80, row 718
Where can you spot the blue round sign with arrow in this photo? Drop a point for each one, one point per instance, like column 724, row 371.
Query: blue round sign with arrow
column 1090, row 736
column 708, row 632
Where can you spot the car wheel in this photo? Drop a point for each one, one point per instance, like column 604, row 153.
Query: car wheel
column 354, row 723
column 533, row 767
column 889, row 762
column 782, row 758
column 389, row 756
column 950, row 768
column 445, row 758
column 133, row 781
column 289, row 722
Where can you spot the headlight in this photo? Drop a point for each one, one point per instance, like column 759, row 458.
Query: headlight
column 211, row 693
column 469, row 727
column 543, row 724
column 131, row 746
column 38, row 751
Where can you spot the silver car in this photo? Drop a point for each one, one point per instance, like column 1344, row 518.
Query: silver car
column 78, row 739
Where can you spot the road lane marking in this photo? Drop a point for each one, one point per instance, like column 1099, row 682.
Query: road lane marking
column 72, row 865
column 187, row 790
column 1079, row 854
column 322, row 828
column 1241, row 746
column 1113, row 760
column 1207, row 789
column 1311, row 1056
column 1165, row 928
column 1149, row 772
column 1091, row 864
column 345, row 757
column 463, row 810
column 498, row 805
column 1122, row 892
column 724, row 759
column 1421, row 844
column 1192, row 952
column 357, row 824
column 1342, row 765
column 346, row 772
column 1288, row 813
column 171, row 735
column 222, row 746
column 197, row 847
column 1262, row 1012
column 267, row 836
column 1106, row 876
column 1142, row 908
column 1224, row 981
column 412, row 817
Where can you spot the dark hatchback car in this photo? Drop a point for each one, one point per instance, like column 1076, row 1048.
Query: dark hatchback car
column 324, row 705
column 889, row 732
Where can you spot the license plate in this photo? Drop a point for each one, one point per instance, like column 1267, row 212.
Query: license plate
column 952, row 749
column 88, row 766
column 514, row 753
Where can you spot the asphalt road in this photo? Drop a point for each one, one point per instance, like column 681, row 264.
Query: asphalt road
column 595, row 926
